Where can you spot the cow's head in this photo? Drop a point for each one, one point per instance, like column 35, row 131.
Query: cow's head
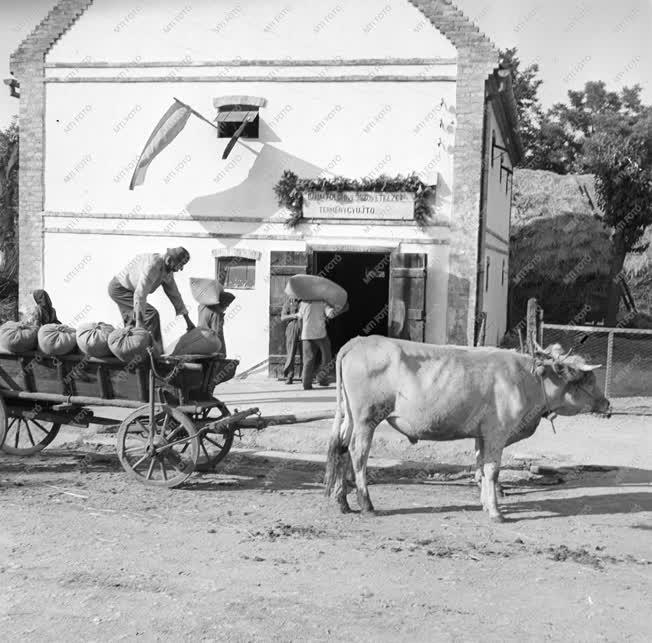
column 570, row 382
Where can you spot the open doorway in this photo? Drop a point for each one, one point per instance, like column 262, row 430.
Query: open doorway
column 365, row 277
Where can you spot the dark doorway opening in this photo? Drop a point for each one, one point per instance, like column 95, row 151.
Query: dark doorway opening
column 365, row 277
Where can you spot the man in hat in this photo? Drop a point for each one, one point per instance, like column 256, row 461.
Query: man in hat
column 130, row 288
column 212, row 316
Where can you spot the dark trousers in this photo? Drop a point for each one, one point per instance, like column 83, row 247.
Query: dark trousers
column 125, row 300
column 292, row 342
column 310, row 348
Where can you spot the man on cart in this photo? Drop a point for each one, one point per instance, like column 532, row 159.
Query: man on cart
column 130, row 288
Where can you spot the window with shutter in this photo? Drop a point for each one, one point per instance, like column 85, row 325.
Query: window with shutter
column 407, row 296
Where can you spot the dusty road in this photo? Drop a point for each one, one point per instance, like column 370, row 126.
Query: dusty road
column 89, row 555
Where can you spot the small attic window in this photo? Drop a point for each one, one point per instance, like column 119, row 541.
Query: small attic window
column 231, row 117
column 234, row 111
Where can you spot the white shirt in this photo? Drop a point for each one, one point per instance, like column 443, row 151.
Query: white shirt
column 144, row 274
column 313, row 315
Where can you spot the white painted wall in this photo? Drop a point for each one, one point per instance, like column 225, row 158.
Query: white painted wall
column 498, row 192
column 498, row 220
column 95, row 132
column 171, row 30
column 78, row 268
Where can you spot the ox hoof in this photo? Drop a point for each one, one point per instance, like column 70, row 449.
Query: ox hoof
column 497, row 518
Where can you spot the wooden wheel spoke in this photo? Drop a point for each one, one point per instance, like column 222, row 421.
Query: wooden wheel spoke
column 29, row 434
column 135, row 450
column 13, row 421
column 20, row 421
column 142, row 428
column 163, row 469
column 135, row 466
column 170, row 438
column 217, row 444
column 151, row 468
column 40, row 426
column 203, row 448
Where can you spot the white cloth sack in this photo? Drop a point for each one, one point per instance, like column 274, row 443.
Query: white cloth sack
column 316, row 288
column 206, row 291
column 198, row 341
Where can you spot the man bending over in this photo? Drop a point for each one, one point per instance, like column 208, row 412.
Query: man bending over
column 130, row 288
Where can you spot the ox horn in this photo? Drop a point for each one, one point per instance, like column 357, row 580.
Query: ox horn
column 589, row 367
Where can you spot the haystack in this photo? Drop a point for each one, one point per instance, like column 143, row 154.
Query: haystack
column 560, row 250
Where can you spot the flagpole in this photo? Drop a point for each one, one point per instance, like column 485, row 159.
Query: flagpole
column 196, row 113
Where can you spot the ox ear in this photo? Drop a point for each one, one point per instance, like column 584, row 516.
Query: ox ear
column 567, row 372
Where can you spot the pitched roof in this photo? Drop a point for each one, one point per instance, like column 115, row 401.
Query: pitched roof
column 60, row 18
column 461, row 31
column 445, row 16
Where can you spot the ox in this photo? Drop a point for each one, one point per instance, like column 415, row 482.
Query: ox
column 430, row 392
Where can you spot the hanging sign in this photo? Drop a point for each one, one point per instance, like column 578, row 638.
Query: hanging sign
column 358, row 205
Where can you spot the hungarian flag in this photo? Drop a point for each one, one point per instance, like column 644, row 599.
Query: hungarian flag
column 173, row 121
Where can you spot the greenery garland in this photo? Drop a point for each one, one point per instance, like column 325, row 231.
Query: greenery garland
column 290, row 189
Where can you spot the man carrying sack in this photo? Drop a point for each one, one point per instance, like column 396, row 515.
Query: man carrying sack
column 314, row 338
column 130, row 288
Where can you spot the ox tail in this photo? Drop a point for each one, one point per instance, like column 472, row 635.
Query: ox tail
column 341, row 434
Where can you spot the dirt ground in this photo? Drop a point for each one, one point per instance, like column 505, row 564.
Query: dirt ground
column 256, row 554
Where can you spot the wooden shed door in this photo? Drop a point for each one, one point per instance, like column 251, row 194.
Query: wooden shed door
column 407, row 296
column 282, row 266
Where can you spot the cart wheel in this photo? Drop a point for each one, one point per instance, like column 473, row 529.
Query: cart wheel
column 215, row 446
column 158, row 465
column 25, row 436
column 3, row 421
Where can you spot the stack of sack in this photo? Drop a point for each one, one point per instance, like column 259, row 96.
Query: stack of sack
column 130, row 344
column 18, row 337
column 93, row 339
column 57, row 339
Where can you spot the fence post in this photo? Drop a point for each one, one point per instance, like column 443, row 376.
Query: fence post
column 610, row 354
column 531, row 333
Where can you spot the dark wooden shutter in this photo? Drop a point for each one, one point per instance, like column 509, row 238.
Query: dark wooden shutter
column 407, row 296
column 282, row 266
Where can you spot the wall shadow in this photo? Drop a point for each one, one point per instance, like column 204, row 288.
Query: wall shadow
column 254, row 196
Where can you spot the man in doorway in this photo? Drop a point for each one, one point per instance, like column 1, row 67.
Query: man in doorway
column 130, row 288
column 290, row 313
column 314, row 338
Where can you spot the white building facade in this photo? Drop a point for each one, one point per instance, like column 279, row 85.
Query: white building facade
column 364, row 90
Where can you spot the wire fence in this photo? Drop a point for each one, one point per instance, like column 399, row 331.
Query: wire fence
column 625, row 354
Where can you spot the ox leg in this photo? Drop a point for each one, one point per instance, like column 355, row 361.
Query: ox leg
column 491, row 469
column 359, row 450
column 478, row 463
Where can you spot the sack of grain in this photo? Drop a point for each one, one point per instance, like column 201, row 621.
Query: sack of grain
column 18, row 337
column 128, row 344
column 93, row 339
column 315, row 288
column 198, row 341
column 206, row 291
column 57, row 339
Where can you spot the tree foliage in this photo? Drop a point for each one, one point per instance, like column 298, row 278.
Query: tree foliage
column 598, row 131
column 8, row 220
column 525, row 84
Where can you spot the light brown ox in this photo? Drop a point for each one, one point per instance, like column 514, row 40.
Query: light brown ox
column 430, row 392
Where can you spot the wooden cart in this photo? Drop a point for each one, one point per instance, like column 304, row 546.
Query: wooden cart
column 175, row 419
